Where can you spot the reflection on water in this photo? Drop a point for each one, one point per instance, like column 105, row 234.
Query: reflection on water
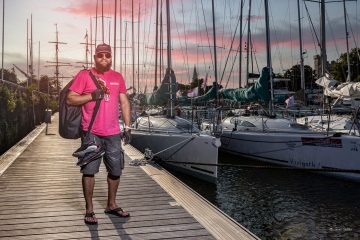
column 280, row 204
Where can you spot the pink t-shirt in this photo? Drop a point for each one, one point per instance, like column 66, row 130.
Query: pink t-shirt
column 106, row 122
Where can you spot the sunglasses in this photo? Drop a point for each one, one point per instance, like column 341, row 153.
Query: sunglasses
column 101, row 55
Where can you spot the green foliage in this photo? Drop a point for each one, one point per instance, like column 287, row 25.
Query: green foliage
column 339, row 68
column 10, row 76
column 294, row 74
column 8, row 97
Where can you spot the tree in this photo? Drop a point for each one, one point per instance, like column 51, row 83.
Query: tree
column 294, row 74
column 47, row 85
column 339, row 68
column 10, row 76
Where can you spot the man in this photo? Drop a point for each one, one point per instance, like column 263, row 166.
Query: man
column 105, row 129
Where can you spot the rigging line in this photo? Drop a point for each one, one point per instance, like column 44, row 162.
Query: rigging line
column 271, row 167
column 256, row 62
column 181, row 46
column 185, row 35
column 277, row 40
column 230, row 50
column 352, row 33
column 336, row 45
column 223, row 31
column 144, row 46
column 232, row 67
column 333, row 35
column 291, row 40
column 148, row 37
column 256, row 28
column 313, row 28
column 207, row 34
column 201, row 38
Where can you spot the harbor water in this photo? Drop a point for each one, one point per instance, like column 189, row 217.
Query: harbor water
column 283, row 204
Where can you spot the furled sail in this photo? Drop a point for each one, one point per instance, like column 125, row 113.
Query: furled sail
column 258, row 92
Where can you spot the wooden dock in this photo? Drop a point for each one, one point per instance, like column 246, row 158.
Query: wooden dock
column 41, row 198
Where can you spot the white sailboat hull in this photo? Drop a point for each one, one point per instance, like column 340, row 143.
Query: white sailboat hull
column 191, row 149
column 302, row 150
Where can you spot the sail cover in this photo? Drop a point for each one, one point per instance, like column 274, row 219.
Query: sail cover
column 259, row 92
column 332, row 88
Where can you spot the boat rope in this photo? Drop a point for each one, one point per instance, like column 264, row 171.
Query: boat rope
column 149, row 155
column 246, row 166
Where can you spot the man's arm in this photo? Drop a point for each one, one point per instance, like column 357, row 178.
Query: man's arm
column 125, row 108
column 76, row 99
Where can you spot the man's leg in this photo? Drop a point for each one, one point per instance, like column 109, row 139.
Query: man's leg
column 112, row 207
column 88, row 182
column 113, row 160
column 113, row 184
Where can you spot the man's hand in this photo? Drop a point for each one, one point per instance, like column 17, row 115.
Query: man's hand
column 126, row 136
column 97, row 94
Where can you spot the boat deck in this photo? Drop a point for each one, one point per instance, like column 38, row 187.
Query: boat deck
column 41, row 198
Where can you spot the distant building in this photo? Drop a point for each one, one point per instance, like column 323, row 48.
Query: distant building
column 318, row 67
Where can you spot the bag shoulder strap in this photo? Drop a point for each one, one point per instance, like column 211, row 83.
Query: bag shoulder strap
column 97, row 105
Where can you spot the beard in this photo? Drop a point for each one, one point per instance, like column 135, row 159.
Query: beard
column 101, row 67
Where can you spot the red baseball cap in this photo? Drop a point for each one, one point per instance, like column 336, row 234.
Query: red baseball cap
column 103, row 48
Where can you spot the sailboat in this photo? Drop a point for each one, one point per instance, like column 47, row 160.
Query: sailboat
column 284, row 142
column 176, row 141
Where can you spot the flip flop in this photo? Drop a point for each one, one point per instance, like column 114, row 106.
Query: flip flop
column 115, row 212
column 90, row 215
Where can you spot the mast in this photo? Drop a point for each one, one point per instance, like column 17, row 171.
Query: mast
column 27, row 50
column 125, row 46
column 323, row 39
column 169, row 69
column 91, row 44
column 348, row 78
column 241, row 35
column 156, row 41
column 2, row 42
column 214, row 39
column 31, row 51
column 132, row 44
column 138, row 51
column 115, row 19
column 38, row 70
column 268, row 55
column 248, row 45
column 120, row 37
column 302, row 75
column 169, row 65
column 96, row 22
column 161, row 50
column 102, row 19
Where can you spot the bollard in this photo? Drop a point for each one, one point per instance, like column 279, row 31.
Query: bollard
column 48, row 113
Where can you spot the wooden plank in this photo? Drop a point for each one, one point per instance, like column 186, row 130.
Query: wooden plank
column 41, row 198
column 219, row 224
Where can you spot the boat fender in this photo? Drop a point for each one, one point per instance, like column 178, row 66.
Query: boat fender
column 216, row 142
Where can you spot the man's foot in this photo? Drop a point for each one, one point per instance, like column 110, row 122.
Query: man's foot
column 117, row 212
column 90, row 218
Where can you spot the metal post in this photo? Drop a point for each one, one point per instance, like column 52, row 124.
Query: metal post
column 215, row 56
column 2, row 43
column 348, row 78
column 268, row 55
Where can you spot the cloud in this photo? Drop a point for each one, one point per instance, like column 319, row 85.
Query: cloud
column 88, row 8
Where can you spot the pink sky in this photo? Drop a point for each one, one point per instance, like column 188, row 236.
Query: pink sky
column 73, row 18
